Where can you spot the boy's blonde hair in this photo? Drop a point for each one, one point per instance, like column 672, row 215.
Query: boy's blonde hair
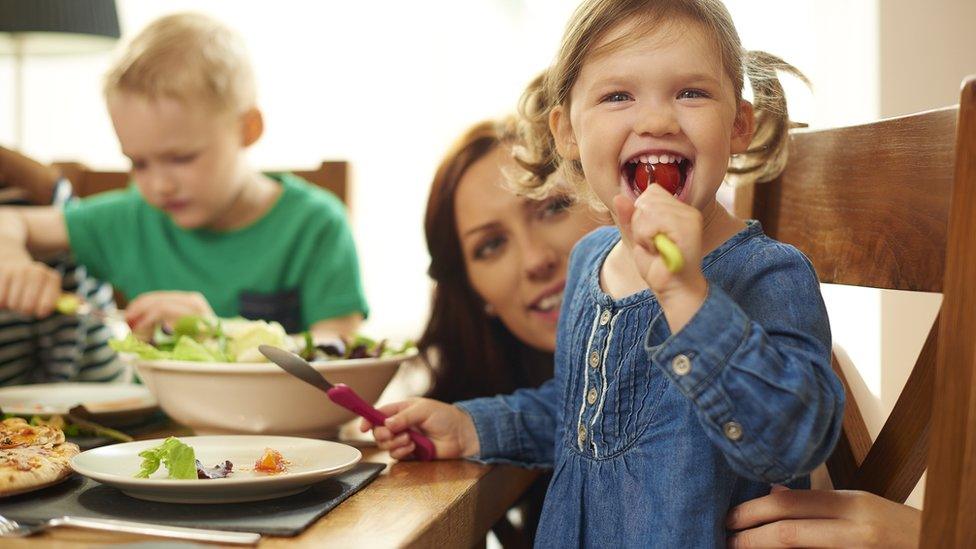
column 188, row 57
column 767, row 153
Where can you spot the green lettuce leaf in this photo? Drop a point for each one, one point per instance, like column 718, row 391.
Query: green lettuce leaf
column 244, row 341
column 308, row 353
column 132, row 344
column 407, row 346
column 192, row 326
column 200, row 339
column 178, row 458
column 188, row 348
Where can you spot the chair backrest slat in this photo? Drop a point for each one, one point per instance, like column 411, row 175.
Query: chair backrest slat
column 892, row 204
column 867, row 204
column 332, row 175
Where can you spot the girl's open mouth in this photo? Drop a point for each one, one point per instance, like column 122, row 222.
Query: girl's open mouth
column 670, row 171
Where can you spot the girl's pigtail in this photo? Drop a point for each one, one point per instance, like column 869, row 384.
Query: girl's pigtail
column 535, row 148
column 767, row 154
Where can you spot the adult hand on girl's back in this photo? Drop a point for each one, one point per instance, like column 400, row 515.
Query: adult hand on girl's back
column 448, row 427
column 823, row 518
column 148, row 310
column 657, row 212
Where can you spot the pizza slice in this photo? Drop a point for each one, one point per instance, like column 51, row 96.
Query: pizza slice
column 32, row 456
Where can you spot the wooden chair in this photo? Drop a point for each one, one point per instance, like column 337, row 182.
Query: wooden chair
column 331, row 175
column 892, row 204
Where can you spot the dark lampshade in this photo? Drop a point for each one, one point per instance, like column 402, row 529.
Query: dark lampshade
column 57, row 26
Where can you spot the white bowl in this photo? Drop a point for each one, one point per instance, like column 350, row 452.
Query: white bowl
column 215, row 398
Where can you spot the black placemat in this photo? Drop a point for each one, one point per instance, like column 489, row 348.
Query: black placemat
column 288, row 516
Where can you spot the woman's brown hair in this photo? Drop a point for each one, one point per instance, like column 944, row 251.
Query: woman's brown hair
column 471, row 354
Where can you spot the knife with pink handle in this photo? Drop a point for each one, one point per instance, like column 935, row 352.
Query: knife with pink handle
column 342, row 395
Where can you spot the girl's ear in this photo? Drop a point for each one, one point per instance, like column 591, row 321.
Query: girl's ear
column 252, row 126
column 743, row 128
column 562, row 133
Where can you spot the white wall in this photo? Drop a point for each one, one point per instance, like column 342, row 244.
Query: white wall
column 927, row 48
column 388, row 86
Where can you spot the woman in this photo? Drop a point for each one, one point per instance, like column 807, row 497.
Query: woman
column 499, row 265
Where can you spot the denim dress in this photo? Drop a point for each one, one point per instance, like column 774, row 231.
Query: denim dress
column 654, row 436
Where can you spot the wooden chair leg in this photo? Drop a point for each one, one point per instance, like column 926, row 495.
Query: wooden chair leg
column 855, row 443
column 950, row 501
column 897, row 459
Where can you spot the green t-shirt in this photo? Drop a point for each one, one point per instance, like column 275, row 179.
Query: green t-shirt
column 297, row 264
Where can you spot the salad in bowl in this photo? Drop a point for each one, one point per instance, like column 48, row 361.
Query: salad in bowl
column 200, row 339
column 209, row 375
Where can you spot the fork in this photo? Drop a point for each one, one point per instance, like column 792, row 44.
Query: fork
column 13, row 529
column 71, row 305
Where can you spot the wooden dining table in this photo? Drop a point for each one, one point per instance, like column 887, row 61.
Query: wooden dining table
column 410, row 504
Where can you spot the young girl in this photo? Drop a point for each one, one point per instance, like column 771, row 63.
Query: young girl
column 677, row 394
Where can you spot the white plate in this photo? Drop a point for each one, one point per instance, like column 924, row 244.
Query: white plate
column 58, row 398
column 310, row 460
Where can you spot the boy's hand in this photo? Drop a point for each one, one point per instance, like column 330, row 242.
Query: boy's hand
column 448, row 427
column 28, row 287
column 148, row 310
column 657, row 211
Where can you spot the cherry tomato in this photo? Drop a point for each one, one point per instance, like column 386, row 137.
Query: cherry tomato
column 665, row 175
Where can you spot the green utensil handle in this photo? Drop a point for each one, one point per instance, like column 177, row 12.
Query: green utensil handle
column 669, row 252
column 67, row 304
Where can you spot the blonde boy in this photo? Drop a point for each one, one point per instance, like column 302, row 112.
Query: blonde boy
column 199, row 232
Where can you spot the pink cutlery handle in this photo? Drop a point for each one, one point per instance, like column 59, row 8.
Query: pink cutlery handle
column 342, row 395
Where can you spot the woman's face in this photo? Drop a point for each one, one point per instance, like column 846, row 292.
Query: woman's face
column 516, row 249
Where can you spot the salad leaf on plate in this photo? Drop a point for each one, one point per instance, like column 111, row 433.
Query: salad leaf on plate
column 178, row 458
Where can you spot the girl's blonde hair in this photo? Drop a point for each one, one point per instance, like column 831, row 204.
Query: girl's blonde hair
column 766, row 154
column 188, row 57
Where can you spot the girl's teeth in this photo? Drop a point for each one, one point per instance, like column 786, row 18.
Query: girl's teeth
column 656, row 159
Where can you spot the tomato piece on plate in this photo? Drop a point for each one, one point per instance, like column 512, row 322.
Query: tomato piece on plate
column 270, row 462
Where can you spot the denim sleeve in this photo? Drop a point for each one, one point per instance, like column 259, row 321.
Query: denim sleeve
column 757, row 369
column 517, row 428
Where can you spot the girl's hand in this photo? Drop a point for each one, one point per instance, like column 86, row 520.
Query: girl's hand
column 448, row 427
column 657, row 211
column 148, row 310
column 823, row 518
column 29, row 287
